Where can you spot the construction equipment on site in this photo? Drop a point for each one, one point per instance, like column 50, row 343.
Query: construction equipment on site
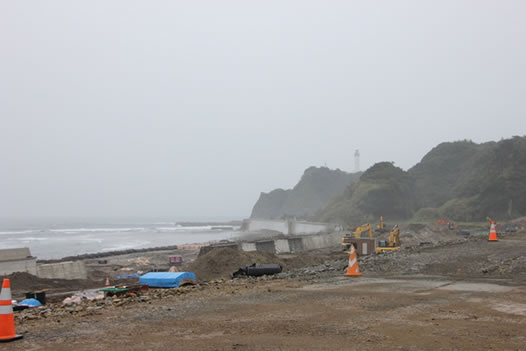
column 394, row 241
column 366, row 227
column 511, row 228
column 346, row 240
column 380, row 228
column 450, row 225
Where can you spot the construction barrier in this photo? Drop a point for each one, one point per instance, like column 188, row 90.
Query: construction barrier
column 352, row 267
column 7, row 318
column 492, row 232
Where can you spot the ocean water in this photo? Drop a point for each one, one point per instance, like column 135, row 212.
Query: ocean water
column 53, row 239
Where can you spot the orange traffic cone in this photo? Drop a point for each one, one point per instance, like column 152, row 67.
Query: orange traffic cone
column 493, row 232
column 7, row 318
column 352, row 268
column 107, row 282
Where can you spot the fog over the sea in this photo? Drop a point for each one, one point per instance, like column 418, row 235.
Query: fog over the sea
column 191, row 109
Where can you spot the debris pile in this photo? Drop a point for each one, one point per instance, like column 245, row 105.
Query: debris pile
column 221, row 262
column 22, row 282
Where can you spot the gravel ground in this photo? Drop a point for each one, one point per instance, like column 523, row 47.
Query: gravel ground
column 456, row 295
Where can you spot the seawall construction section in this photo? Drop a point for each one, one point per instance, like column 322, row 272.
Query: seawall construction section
column 255, row 225
column 283, row 245
column 63, row 270
column 17, row 260
column 28, row 265
column 287, row 227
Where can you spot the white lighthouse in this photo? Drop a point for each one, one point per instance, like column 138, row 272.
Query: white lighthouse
column 356, row 161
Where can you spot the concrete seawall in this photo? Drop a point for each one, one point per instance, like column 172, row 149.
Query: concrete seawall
column 28, row 265
column 283, row 245
column 17, row 260
column 287, row 227
column 63, row 270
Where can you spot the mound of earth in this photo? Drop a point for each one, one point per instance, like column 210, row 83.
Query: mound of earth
column 222, row 262
column 22, row 282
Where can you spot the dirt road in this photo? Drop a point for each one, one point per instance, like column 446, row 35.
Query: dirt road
column 467, row 307
column 338, row 314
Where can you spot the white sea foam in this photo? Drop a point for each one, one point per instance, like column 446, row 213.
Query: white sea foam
column 183, row 229
column 32, row 238
column 97, row 230
column 91, row 240
column 18, row 232
column 126, row 246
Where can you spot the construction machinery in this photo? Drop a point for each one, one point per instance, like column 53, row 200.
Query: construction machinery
column 394, row 241
column 380, row 228
column 346, row 240
column 489, row 220
column 450, row 225
column 366, row 227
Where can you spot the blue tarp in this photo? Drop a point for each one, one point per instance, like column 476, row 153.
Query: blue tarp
column 166, row 279
column 30, row 303
column 123, row 276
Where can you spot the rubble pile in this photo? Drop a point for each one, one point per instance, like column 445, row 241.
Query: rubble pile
column 22, row 282
column 88, row 306
column 222, row 262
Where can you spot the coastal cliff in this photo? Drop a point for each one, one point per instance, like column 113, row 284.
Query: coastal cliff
column 316, row 188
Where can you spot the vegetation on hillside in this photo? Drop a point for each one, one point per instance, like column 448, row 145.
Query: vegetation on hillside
column 383, row 190
column 462, row 181
column 315, row 189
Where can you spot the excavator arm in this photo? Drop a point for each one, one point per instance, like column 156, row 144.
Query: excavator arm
column 394, row 241
column 366, row 227
column 394, row 237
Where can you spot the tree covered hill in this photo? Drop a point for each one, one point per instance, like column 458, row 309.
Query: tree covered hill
column 315, row 189
column 461, row 180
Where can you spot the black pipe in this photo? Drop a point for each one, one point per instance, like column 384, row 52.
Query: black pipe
column 257, row 270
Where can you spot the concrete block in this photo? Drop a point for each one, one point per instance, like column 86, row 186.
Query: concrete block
column 21, row 253
column 266, row 246
column 255, row 225
column 320, row 241
column 296, row 245
column 248, row 247
column 286, row 227
column 308, row 228
column 63, row 270
column 28, row 265
column 282, row 246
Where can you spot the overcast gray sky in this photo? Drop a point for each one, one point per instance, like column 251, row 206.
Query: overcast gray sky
column 192, row 108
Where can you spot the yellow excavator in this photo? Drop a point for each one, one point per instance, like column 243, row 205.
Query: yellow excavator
column 380, row 228
column 346, row 240
column 366, row 227
column 394, row 241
